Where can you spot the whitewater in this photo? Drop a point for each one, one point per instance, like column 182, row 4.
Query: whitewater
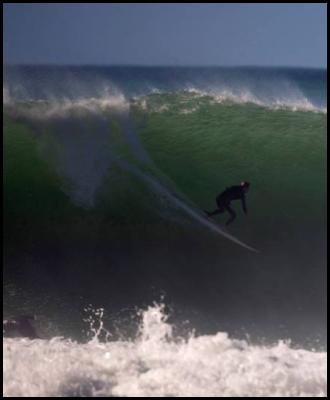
column 159, row 364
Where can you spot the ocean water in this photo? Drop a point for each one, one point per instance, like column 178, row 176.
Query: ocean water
column 158, row 364
column 107, row 172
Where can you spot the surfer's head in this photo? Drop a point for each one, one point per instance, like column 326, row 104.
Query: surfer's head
column 245, row 186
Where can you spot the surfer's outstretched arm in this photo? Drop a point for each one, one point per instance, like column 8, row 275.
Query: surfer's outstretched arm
column 232, row 215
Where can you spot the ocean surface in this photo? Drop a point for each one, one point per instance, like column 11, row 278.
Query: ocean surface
column 107, row 171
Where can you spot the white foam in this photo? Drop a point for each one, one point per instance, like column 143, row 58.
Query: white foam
column 62, row 108
column 106, row 98
column 5, row 95
column 158, row 364
column 114, row 99
column 292, row 99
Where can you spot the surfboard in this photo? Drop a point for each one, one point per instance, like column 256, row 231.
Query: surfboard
column 222, row 231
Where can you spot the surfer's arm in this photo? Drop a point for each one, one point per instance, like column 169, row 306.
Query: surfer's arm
column 244, row 204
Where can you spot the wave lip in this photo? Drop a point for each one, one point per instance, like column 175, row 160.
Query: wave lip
column 43, row 109
column 297, row 102
column 192, row 99
column 295, row 89
column 157, row 363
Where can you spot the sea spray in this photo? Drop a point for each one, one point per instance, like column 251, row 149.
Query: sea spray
column 157, row 363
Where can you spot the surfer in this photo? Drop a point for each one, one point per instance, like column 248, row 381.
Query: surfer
column 20, row 327
column 224, row 199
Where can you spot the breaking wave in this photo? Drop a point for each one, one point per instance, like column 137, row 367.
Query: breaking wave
column 159, row 364
column 101, row 88
column 107, row 172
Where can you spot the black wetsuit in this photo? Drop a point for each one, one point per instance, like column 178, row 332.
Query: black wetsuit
column 223, row 202
column 20, row 327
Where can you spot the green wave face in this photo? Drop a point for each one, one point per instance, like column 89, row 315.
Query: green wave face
column 195, row 147
column 281, row 153
column 201, row 149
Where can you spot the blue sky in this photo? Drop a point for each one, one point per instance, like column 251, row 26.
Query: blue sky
column 166, row 34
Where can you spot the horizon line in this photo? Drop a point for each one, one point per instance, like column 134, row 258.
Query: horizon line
column 51, row 64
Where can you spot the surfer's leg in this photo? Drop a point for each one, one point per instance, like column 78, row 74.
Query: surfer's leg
column 219, row 210
column 232, row 214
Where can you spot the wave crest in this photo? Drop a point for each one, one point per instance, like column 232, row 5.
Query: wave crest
column 191, row 100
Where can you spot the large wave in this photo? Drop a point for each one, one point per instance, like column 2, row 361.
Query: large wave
column 106, row 172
